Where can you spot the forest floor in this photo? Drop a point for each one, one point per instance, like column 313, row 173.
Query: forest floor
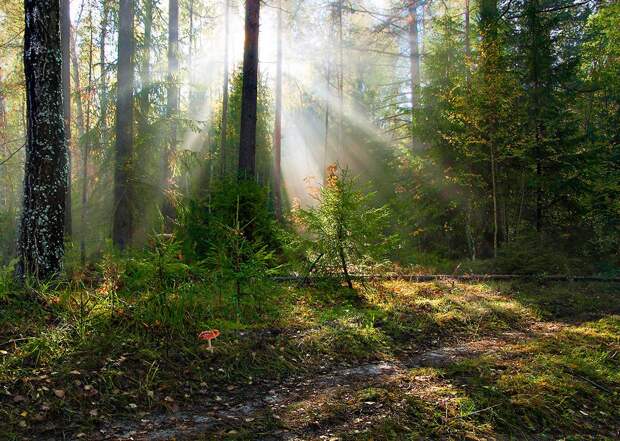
column 391, row 361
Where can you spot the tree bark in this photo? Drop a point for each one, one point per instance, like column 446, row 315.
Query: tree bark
column 467, row 43
column 86, row 145
column 172, row 109
column 78, row 93
column 41, row 240
column 247, row 144
column 277, row 132
column 494, row 194
column 340, row 146
column 65, row 42
column 145, row 71
column 190, row 62
column 414, row 61
column 122, row 230
column 224, row 128
column 103, row 83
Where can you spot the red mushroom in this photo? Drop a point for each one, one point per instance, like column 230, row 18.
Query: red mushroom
column 208, row 336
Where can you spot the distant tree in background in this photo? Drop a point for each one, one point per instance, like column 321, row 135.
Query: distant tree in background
column 65, row 41
column 122, row 230
column 247, row 137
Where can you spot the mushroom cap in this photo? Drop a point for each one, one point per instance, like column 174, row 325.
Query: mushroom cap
column 209, row 335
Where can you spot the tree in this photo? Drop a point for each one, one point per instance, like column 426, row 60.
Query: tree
column 277, row 131
column 65, row 41
column 41, row 241
column 344, row 229
column 86, row 143
column 247, row 138
column 122, row 230
column 414, row 54
column 172, row 107
column 224, row 126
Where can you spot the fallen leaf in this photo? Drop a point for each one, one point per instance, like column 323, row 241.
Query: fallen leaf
column 59, row 393
column 18, row 398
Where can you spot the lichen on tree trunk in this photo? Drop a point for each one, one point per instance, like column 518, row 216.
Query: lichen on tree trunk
column 41, row 239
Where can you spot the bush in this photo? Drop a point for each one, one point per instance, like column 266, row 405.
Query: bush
column 206, row 220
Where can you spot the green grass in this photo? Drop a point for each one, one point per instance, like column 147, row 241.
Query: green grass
column 114, row 347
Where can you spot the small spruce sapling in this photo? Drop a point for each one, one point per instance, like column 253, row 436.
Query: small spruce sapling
column 344, row 231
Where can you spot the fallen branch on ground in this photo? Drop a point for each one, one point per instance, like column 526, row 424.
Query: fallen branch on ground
column 462, row 277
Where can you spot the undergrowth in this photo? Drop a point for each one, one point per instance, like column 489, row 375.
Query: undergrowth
column 121, row 340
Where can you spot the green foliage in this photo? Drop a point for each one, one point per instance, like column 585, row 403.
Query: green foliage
column 205, row 220
column 230, row 234
column 230, row 155
column 344, row 232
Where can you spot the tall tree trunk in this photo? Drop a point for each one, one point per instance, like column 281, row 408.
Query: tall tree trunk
column 414, row 60
column 247, row 137
column 326, row 155
column 494, row 196
column 103, row 81
column 65, row 41
column 467, row 43
column 78, row 93
column 145, row 71
column 224, row 128
column 340, row 82
column 277, row 132
column 41, row 241
column 490, row 65
column 7, row 186
column 538, row 71
column 190, row 61
column 122, row 230
column 172, row 109
column 86, row 144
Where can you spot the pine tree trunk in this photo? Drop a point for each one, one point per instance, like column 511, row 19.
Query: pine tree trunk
column 326, row 151
column 172, row 109
column 86, row 146
column 41, row 241
column 340, row 147
column 247, row 137
column 145, row 71
column 224, row 128
column 414, row 60
column 190, row 62
column 103, row 83
column 78, row 93
column 277, row 132
column 65, row 41
column 494, row 194
column 122, row 229
column 467, row 43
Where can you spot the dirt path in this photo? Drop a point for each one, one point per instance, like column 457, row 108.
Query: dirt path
column 315, row 407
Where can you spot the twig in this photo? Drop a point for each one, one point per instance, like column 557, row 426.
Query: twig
column 478, row 411
column 12, row 154
column 603, row 388
column 15, row 340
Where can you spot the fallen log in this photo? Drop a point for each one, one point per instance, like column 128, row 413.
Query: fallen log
column 461, row 277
